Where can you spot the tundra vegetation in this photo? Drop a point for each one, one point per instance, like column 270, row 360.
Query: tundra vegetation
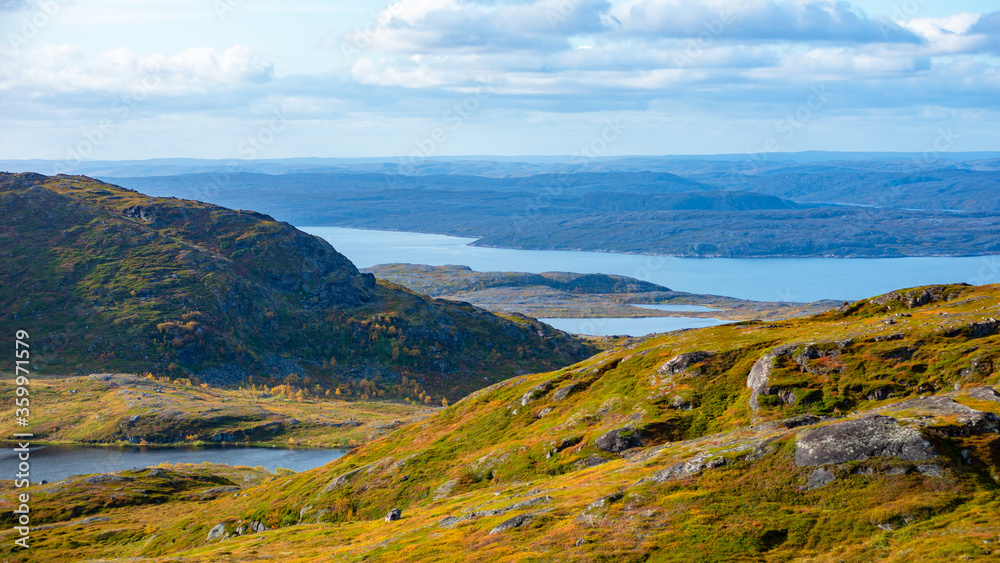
column 868, row 432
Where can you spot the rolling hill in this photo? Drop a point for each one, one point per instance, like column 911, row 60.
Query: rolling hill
column 108, row 279
column 867, row 433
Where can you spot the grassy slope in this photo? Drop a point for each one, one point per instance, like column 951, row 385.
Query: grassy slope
column 108, row 279
column 476, row 460
column 105, row 409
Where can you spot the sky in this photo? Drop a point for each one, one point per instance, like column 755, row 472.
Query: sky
column 419, row 79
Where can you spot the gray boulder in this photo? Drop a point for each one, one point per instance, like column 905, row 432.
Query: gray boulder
column 984, row 394
column 217, row 533
column 968, row 421
column 591, row 461
column 618, row 440
column 567, row 390
column 568, row 442
column 759, row 378
column 688, row 468
column 681, row 362
column 394, row 514
column 515, row 522
column 860, row 439
column 820, row 478
column 536, row 392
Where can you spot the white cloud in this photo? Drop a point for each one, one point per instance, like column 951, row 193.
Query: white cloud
column 949, row 35
column 64, row 69
column 416, row 58
column 802, row 20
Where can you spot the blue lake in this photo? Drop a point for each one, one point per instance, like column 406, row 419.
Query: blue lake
column 55, row 462
column 678, row 308
column 760, row 279
column 629, row 327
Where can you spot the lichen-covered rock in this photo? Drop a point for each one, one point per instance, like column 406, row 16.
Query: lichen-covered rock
column 860, row 439
column 341, row 480
column 394, row 514
column 591, row 514
column 217, row 532
column 618, row 440
column 759, row 378
column 590, row 461
column 567, row 390
column 568, row 442
column 445, row 489
column 801, row 420
column 820, row 478
column 984, row 394
column 515, row 522
column 914, row 298
column 787, row 396
column 930, row 470
column 967, row 420
column 535, row 392
column 604, row 501
column 688, row 468
column 681, row 362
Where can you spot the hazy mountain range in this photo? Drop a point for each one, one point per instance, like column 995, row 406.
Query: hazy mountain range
column 805, row 204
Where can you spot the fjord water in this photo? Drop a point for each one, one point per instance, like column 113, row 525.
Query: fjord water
column 55, row 462
column 629, row 326
column 759, row 279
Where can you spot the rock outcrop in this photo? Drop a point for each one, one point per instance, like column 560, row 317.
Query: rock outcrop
column 758, row 381
column 861, row 439
column 688, row 468
column 218, row 532
column 515, row 522
column 681, row 362
column 619, row 440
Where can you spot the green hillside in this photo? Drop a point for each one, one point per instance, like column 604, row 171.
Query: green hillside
column 868, row 433
column 108, row 279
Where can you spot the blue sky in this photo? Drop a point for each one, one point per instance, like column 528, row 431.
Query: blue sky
column 117, row 79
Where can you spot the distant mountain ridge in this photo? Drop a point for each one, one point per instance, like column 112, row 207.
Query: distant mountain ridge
column 487, row 165
column 714, row 210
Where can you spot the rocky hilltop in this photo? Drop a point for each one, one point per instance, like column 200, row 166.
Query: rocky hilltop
column 108, row 279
